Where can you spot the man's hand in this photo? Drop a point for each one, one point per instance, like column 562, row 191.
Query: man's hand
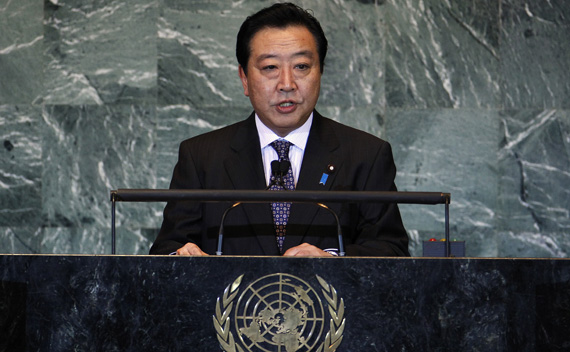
column 190, row 249
column 306, row 250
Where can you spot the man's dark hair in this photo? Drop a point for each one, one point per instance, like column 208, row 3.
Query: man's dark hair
column 279, row 16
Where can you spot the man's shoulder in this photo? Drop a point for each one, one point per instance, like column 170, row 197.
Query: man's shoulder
column 349, row 133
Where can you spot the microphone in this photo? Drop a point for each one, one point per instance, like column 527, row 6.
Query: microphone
column 284, row 166
column 221, row 230
column 278, row 170
column 341, row 252
column 275, row 167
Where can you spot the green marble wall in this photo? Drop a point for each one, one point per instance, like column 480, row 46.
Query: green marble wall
column 473, row 95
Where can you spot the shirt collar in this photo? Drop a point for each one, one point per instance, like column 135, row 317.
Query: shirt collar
column 298, row 137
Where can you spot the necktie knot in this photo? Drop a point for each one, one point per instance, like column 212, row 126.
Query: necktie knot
column 281, row 146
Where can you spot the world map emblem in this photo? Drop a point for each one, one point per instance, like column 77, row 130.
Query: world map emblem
column 279, row 312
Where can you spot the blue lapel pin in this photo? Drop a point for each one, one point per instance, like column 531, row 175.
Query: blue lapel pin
column 330, row 169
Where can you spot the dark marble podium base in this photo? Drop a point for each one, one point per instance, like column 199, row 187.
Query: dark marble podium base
column 143, row 303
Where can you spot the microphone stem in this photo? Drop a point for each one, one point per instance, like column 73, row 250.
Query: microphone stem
column 341, row 252
column 221, row 231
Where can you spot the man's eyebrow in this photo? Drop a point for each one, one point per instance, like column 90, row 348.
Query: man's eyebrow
column 307, row 53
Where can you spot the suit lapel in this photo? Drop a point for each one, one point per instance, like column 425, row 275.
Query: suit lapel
column 321, row 151
column 245, row 166
column 245, row 171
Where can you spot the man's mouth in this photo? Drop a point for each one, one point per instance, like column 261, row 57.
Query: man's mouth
column 286, row 104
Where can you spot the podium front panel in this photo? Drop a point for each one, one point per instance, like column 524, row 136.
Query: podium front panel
column 167, row 303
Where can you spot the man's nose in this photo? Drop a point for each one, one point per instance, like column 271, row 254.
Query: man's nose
column 287, row 81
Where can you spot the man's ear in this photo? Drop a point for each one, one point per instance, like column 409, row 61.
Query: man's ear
column 243, row 78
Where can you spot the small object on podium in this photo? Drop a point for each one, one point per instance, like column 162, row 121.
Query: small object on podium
column 433, row 248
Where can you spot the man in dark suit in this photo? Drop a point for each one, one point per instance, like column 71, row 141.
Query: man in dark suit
column 281, row 52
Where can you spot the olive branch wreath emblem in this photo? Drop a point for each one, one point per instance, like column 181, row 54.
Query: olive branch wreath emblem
column 222, row 321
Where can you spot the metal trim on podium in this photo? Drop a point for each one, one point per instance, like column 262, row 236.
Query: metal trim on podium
column 261, row 196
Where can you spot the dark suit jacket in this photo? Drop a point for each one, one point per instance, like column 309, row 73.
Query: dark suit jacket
column 230, row 158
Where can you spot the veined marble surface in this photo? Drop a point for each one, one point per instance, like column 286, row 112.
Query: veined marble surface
column 534, row 174
column 535, row 51
column 21, row 62
column 433, row 154
column 472, row 95
column 100, row 53
column 442, row 54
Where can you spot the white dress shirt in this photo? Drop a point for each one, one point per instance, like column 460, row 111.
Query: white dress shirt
column 299, row 139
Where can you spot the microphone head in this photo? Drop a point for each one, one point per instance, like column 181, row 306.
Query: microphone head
column 284, row 166
column 274, row 167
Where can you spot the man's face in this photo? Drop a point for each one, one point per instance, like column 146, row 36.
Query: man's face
column 283, row 77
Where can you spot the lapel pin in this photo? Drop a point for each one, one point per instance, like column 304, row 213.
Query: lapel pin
column 330, row 169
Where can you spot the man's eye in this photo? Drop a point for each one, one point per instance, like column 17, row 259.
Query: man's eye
column 269, row 67
column 302, row 66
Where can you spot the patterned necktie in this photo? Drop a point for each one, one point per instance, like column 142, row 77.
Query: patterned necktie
column 281, row 209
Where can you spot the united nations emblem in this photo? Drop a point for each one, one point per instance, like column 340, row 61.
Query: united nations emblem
column 279, row 312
